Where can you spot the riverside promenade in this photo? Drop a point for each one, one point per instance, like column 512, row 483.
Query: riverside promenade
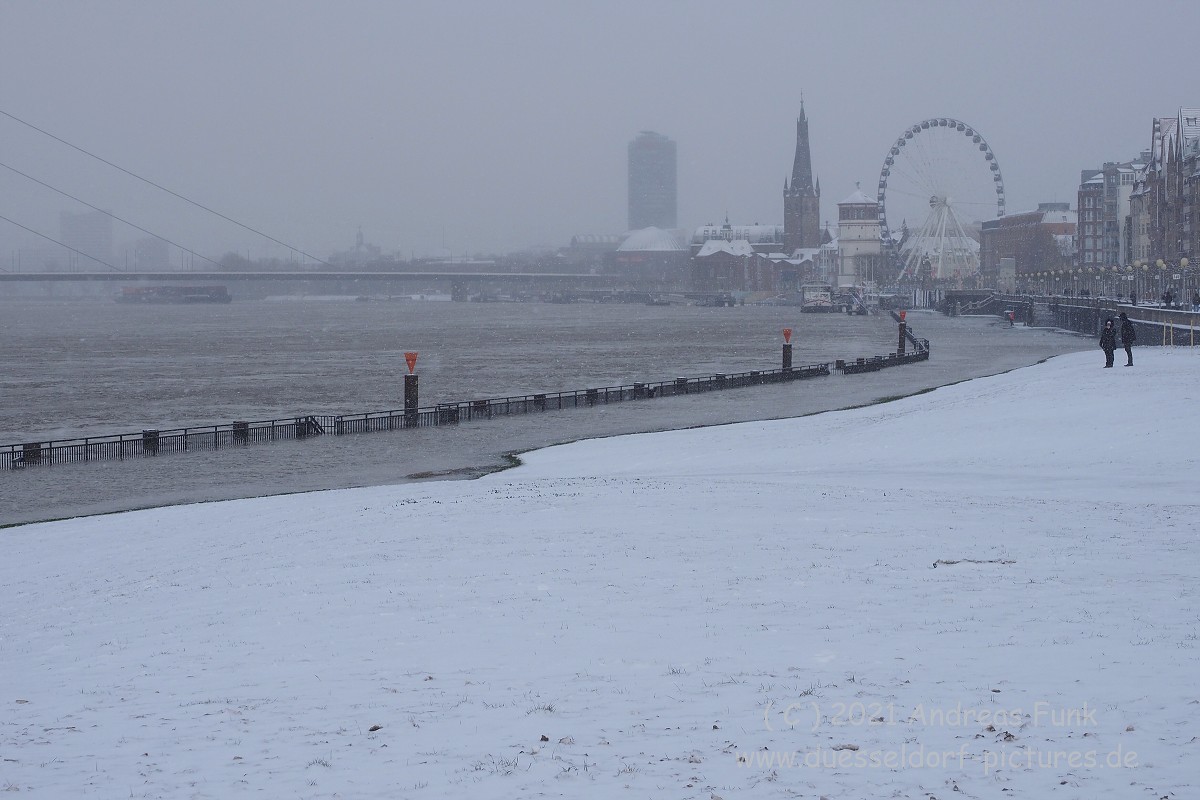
column 990, row 587
column 963, row 348
column 1156, row 325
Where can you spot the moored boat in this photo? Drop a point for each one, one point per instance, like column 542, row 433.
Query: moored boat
column 816, row 298
column 174, row 294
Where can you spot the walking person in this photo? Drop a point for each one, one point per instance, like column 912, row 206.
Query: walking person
column 1195, row 299
column 1128, row 337
column 1108, row 342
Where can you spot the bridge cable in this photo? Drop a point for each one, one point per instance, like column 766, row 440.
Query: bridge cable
column 109, row 214
column 163, row 188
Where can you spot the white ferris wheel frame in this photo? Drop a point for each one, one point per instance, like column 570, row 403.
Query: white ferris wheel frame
column 941, row 218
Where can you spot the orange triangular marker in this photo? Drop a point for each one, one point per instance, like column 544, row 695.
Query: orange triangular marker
column 411, row 358
column 787, row 335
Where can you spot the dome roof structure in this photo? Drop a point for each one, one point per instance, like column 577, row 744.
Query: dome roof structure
column 651, row 239
column 738, row 247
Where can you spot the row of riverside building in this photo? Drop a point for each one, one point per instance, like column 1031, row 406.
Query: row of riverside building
column 1135, row 228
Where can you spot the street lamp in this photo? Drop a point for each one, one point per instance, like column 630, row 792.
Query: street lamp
column 1179, row 282
column 1185, row 274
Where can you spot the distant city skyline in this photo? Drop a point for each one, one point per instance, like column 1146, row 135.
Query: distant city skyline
column 466, row 127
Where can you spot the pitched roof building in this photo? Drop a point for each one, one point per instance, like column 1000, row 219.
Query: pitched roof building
column 1163, row 225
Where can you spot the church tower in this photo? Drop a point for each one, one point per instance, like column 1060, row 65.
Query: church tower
column 802, row 198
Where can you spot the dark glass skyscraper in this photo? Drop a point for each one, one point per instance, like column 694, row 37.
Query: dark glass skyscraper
column 651, row 181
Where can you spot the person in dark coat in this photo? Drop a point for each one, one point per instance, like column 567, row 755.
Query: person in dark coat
column 1108, row 342
column 1128, row 337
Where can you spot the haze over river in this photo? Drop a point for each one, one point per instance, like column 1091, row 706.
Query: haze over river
column 88, row 368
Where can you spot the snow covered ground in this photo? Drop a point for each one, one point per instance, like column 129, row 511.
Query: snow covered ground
column 991, row 590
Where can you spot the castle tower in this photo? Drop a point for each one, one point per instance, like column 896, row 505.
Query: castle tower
column 860, row 259
column 802, row 198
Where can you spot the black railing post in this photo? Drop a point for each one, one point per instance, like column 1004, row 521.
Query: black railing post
column 410, row 401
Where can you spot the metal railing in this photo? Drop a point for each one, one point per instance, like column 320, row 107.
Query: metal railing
column 876, row 363
column 155, row 442
column 243, row 433
column 1086, row 315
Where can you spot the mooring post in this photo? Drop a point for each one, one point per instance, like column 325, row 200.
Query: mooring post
column 787, row 349
column 411, row 402
column 903, row 335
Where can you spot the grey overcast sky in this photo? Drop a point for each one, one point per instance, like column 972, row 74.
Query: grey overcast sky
column 496, row 126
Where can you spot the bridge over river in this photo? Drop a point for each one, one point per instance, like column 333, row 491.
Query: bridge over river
column 458, row 284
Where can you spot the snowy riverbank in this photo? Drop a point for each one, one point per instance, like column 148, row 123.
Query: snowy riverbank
column 991, row 588
column 355, row 366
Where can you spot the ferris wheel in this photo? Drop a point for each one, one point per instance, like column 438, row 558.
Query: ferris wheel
column 939, row 183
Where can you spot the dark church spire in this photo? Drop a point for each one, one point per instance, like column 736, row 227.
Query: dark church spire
column 802, row 197
column 802, row 174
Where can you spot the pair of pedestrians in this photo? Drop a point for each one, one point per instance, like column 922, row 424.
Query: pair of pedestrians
column 1108, row 340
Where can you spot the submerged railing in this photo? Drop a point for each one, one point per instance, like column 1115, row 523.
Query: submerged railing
column 243, row 433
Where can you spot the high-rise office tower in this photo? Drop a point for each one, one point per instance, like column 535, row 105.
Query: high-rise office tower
column 90, row 235
column 651, row 181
